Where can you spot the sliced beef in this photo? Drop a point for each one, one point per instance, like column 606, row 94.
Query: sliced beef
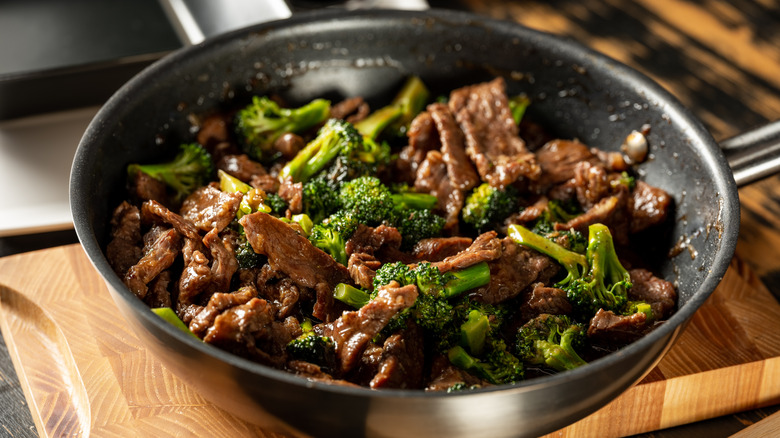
column 659, row 293
column 145, row 188
column 241, row 167
column 459, row 169
column 649, row 206
column 210, row 208
column 158, row 256
column 154, row 212
column 445, row 375
column 292, row 193
column 543, row 299
column 195, row 277
column 606, row 327
column 557, row 160
column 218, row 303
column 352, row 331
column 250, row 330
column 517, row 268
column 610, row 211
column 436, row 249
column 224, row 263
column 432, row 178
column 423, row 137
column 485, row 248
column 158, row 294
column 591, row 184
column 124, row 250
column 362, row 268
column 214, row 130
column 292, row 254
column 353, row 109
column 284, row 294
column 401, row 361
column 492, row 139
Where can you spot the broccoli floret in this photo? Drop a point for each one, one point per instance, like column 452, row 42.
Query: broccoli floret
column 313, row 348
column 373, row 203
column 453, row 283
column 336, row 137
column 332, row 234
column 633, row 307
column 277, row 204
column 191, row 168
column 488, row 206
column 498, row 366
column 551, row 340
column 396, row 116
column 320, row 200
column 461, row 386
column 344, row 169
column 395, row 271
column 415, row 225
column 262, row 122
column 595, row 280
column 625, row 180
column 245, row 255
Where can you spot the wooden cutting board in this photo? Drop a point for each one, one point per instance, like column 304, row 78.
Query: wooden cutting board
column 85, row 374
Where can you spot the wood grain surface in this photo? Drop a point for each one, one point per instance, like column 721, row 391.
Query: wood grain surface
column 85, row 373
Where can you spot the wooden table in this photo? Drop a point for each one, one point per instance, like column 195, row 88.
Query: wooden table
column 720, row 58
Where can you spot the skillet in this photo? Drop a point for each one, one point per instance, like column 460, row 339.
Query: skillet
column 577, row 92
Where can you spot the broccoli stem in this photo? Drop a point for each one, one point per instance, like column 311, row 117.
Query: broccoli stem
column 575, row 264
column 466, row 279
column 517, row 105
column 170, row 316
column 609, row 279
column 351, row 295
column 252, row 200
column 377, row 121
column 409, row 101
column 414, row 201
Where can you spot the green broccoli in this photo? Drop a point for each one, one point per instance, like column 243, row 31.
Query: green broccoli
column 335, row 138
column 595, row 280
column 191, row 168
column 498, row 366
column 486, row 207
column 517, row 105
column 310, row 347
column 351, row 295
column 396, row 116
column 373, row 203
column 276, row 203
column 551, row 340
column 415, row 225
column 262, row 122
column 320, row 200
column 245, row 255
column 332, row 235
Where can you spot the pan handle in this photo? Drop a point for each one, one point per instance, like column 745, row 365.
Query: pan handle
column 755, row 154
column 196, row 20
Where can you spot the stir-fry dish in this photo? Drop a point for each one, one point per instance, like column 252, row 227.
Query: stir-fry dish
column 440, row 243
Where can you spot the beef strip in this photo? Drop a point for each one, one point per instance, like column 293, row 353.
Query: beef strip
column 292, row 254
column 218, row 303
column 485, row 248
column 124, row 249
column 492, row 139
column 557, row 160
column 241, row 167
column 353, row 331
column 224, row 263
column 609, row 328
column 401, row 361
column 436, row 249
column 649, row 206
column 517, row 268
column 195, row 277
column 610, row 211
column 423, row 137
column 214, row 130
column 444, row 375
column 284, row 294
column 209, row 208
column 659, row 293
column 153, row 211
column 459, row 169
column 362, row 268
column 289, row 144
column 543, row 299
column 158, row 256
column 292, row 193
column 382, row 242
column 353, row 109
column 591, row 184
column 432, row 178
column 158, row 294
column 146, row 188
